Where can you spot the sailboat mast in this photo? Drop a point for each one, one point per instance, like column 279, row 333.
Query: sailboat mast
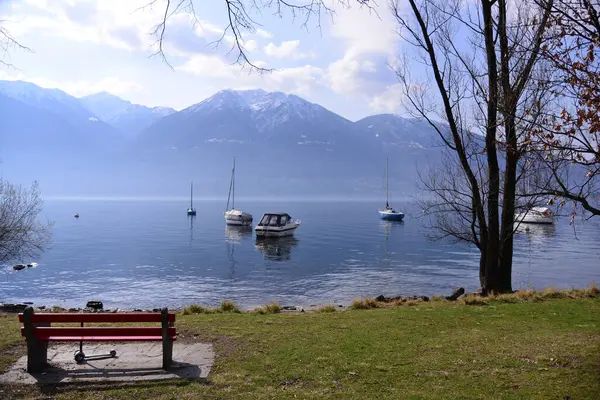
column 191, row 194
column 233, row 185
column 387, row 183
column 230, row 186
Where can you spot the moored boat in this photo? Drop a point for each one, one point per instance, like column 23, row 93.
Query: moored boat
column 535, row 215
column 276, row 225
column 388, row 213
column 235, row 217
column 191, row 210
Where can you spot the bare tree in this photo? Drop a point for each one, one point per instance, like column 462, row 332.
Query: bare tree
column 240, row 20
column 480, row 60
column 8, row 43
column 22, row 235
column 568, row 138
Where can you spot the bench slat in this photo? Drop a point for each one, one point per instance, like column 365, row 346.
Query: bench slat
column 97, row 317
column 104, row 338
column 123, row 331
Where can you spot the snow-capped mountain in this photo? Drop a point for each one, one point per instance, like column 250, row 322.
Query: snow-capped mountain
column 65, row 110
column 53, row 100
column 283, row 144
column 394, row 132
column 122, row 114
column 274, row 134
column 252, row 116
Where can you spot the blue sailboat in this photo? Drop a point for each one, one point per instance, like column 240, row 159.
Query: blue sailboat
column 191, row 210
column 388, row 213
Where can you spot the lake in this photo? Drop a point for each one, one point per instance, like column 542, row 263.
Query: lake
column 132, row 253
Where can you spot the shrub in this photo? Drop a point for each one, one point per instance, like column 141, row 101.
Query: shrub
column 271, row 308
column 229, row 306
column 364, row 304
column 195, row 309
column 328, row 308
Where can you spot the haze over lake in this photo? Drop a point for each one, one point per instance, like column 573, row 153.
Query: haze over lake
column 147, row 253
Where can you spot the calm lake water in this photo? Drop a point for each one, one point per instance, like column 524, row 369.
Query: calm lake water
column 146, row 254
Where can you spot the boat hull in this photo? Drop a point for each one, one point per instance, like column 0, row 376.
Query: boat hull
column 237, row 223
column 391, row 216
column 263, row 231
column 238, row 218
column 528, row 218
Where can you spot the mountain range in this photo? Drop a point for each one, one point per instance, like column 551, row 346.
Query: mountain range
column 101, row 144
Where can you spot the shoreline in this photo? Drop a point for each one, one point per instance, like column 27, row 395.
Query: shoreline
column 357, row 303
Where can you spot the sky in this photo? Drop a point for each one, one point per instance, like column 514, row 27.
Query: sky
column 88, row 46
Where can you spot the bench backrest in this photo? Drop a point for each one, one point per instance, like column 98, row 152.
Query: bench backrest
column 38, row 325
column 97, row 317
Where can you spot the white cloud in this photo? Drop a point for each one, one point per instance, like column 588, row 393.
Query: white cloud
column 251, row 45
column 121, row 24
column 263, row 33
column 364, row 31
column 209, row 66
column 370, row 46
column 300, row 80
column 287, row 49
column 109, row 22
column 389, row 101
column 78, row 88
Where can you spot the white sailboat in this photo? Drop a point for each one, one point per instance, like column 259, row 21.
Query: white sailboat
column 532, row 214
column 535, row 215
column 232, row 216
column 388, row 213
column 191, row 210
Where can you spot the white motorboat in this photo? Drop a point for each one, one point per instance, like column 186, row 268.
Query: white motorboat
column 232, row 216
column 535, row 215
column 276, row 225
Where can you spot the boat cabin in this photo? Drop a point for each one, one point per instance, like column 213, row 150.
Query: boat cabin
column 275, row 219
column 236, row 215
column 541, row 211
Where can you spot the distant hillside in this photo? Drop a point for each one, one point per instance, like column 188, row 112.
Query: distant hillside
column 284, row 145
column 128, row 118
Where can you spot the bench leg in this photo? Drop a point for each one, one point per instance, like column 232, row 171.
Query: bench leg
column 37, row 350
column 167, row 353
column 37, row 356
column 166, row 340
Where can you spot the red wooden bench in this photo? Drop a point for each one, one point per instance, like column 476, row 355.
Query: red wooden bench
column 38, row 331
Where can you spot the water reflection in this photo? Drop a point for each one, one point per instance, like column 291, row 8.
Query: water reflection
column 388, row 227
column 276, row 249
column 235, row 234
column 536, row 232
column 192, row 218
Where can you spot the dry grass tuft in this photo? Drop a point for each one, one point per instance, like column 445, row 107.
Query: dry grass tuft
column 229, row 306
column 474, row 300
column 530, row 295
column 195, row 309
column 328, row 308
column 271, row 308
column 364, row 304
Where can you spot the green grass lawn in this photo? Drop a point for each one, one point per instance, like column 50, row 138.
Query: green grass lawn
column 438, row 350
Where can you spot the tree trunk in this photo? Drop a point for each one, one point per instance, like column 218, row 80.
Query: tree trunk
column 493, row 240
column 509, row 110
